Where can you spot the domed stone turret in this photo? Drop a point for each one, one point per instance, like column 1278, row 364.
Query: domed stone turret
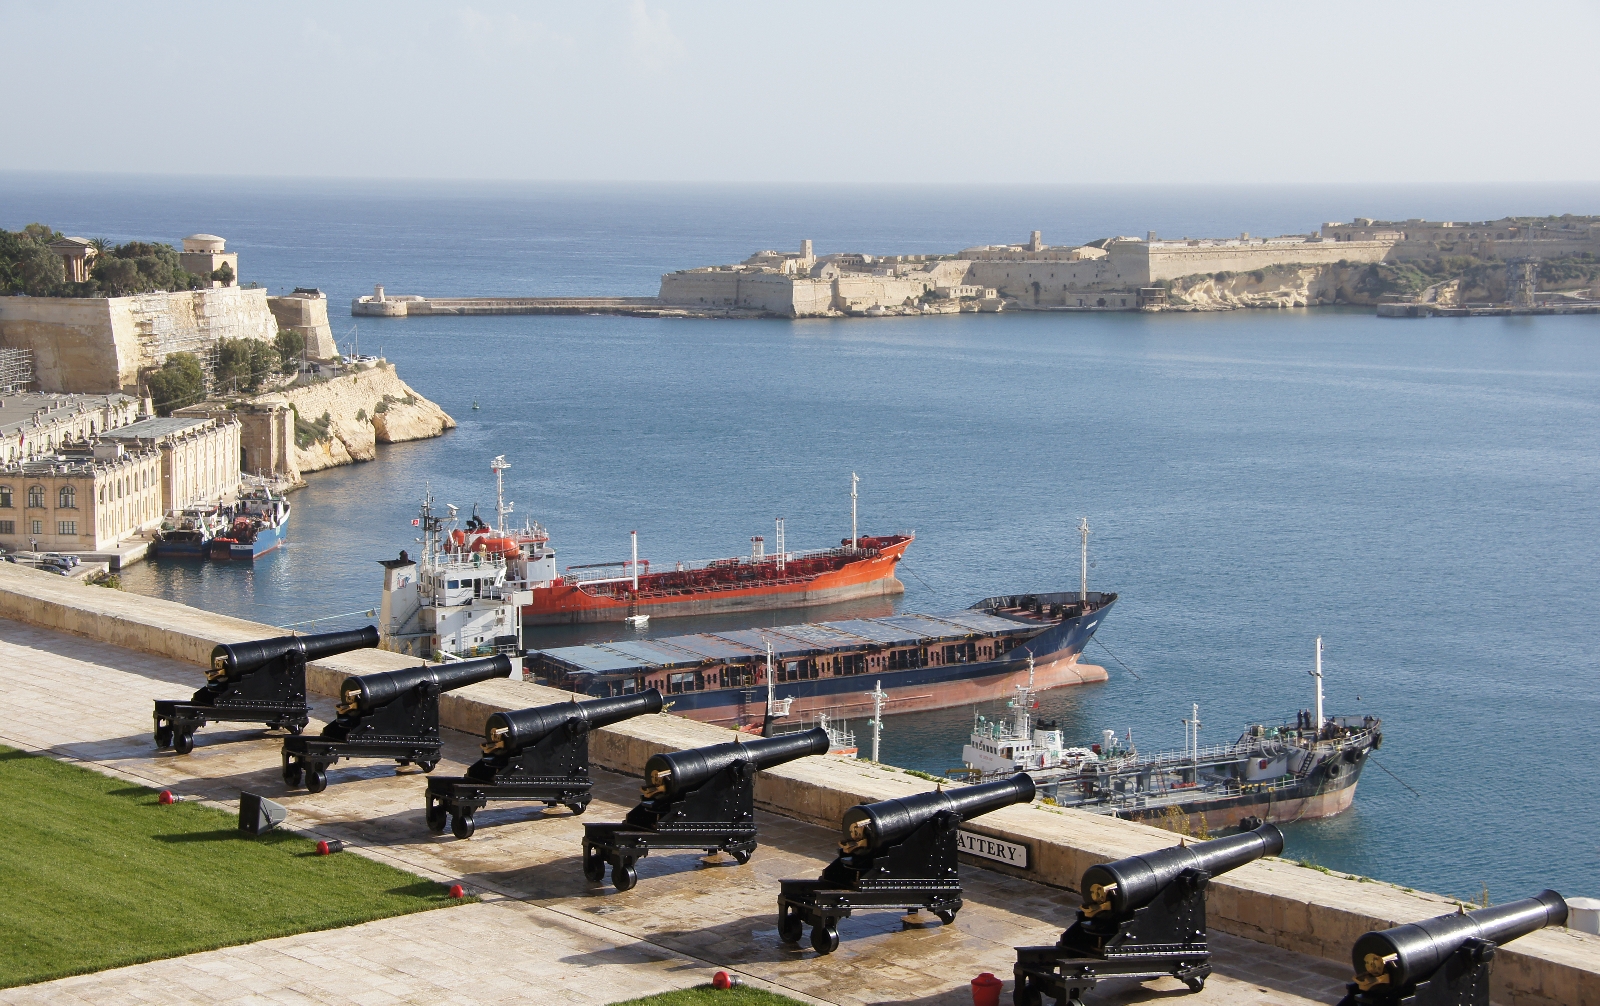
column 203, row 244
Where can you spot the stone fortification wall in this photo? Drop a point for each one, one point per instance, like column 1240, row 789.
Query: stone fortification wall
column 365, row 408
column 307, row 315
column 1174, row 259
column 101, row 344
column 1272, row 901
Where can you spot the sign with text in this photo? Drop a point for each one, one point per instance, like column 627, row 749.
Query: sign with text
column 984, row 847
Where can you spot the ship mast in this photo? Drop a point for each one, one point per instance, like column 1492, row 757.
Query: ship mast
column 634, row 535
column 877, row 695
column 1317, row 725
column 501, row 507
column 780, row 549
column 854, row 478
column 1083, row 583
column 1191, row 736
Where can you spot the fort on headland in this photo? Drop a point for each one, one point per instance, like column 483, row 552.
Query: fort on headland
column 1546, row 264
column 92, row 461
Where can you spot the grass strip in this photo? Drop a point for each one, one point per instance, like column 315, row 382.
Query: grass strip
column 99, row 875
column 705, row 995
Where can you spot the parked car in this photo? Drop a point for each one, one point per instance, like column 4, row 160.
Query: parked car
column 70, row 560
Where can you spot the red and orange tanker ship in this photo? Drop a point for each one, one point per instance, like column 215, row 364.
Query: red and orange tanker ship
column 618, row 591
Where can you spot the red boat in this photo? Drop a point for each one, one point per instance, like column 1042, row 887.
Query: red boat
column 631, row 590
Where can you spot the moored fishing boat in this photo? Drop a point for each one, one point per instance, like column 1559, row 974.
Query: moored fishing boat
column 259, row 525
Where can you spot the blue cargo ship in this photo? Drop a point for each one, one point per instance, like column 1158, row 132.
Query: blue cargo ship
column 919, row 661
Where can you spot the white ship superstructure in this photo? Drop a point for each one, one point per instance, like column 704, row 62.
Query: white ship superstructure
column 1017, row 743
column 456, row 602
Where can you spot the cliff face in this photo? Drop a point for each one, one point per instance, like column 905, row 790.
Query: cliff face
column 363, row 409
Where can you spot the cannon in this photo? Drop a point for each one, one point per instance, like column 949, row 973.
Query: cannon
column 259, row 681
column 1142, row 917
column 1444, row 961
column 391, row 714
column 895, row 854
column 703, row 798
column 531, row 754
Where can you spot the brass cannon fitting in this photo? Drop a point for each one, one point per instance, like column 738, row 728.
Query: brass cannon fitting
column 1375, row 970
column 1099, row 899
column 655, row 783
column 860, row 838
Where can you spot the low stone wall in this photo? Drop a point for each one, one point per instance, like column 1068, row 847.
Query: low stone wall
column 1273, row 901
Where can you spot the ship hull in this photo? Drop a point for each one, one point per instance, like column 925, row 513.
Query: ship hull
column 572, row 605
column 267, row 539
column 1056, row 665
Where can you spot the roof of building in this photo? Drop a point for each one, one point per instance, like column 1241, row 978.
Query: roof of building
column 70, row 242
column 157, row 428
column 18, row 409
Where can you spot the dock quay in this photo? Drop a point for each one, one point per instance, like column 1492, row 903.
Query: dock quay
column 1281, row 933
column 1408, row 309
column 380, row 305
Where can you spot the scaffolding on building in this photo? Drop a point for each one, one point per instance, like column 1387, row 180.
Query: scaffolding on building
column 1522, row 281
column 16, row 370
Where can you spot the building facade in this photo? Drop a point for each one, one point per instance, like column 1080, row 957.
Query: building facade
column 33, row 424
column 83, row 500
column 199, row 456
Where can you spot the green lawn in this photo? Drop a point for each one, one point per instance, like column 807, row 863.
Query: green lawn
column 705, row 995
column 98, row 875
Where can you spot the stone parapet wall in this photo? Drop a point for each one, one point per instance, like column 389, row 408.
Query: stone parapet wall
column 308, row 316
column 1272, row 901
column 1173, row 260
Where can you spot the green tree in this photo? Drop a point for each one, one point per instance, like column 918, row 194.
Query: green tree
column 178, row 383
column 290, row 345
column 223, row 274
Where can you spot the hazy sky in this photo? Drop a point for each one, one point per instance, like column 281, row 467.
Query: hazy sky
column 813, row 91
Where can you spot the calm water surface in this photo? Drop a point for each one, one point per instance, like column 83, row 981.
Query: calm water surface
column 1421, row 494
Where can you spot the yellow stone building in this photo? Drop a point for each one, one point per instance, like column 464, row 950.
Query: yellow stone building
column 84, row 499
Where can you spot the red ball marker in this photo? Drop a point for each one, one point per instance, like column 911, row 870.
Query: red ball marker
column 457, row 891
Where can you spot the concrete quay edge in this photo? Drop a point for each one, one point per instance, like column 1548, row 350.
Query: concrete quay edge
column 1274, row 902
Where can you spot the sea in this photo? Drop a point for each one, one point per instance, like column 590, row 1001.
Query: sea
column 1422, row 495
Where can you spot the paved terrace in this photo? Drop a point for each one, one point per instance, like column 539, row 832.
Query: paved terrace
column 543, row 934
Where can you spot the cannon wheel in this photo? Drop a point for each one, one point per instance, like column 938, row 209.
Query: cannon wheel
column 463, row 826
column 183, row 741
column 945, row 915
column 295, row 727
column 741, row 856
column 1026, row 992
column 163, row 737
column 825, row 938
column 594, row 868
column 623, row 875
column 427, row 766
column 790, row 928
column 316, row 778
column 1197, row 981
column 436, row 817
column 292, row 773
column 578, row 807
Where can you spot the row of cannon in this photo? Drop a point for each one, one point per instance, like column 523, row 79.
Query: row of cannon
column 1142, row 917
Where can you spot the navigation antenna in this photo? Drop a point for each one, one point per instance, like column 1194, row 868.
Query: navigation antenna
column 1318, row 675
column 854, row 478
column 501, row 507
column 877, row 695
column 1083, row 584
column 1191, row 737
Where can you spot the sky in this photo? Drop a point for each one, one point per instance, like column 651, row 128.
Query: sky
column 816, row 92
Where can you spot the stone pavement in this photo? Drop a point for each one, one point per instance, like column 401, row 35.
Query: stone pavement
column 543, row 933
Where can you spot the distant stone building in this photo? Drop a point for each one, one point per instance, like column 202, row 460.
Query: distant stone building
column 306, row 311
column 204, row 254
column 77, row 255
column 81, row 499
column 199, row 456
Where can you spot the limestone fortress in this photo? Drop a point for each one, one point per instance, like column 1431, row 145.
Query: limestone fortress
column 1116, row 274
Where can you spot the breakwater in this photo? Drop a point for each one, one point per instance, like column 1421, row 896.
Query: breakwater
column 380, row 305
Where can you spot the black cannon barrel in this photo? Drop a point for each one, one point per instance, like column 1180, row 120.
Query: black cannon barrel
column 674, row 772
column 1414, row 951
column 879, row 824
column 515, row 729
column 1134, row 882
column 234, row 660
column 371, row 691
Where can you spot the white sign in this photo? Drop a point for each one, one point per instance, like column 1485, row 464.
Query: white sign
column 1009, row 853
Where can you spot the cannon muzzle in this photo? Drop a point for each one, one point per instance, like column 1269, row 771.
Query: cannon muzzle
column 875, row 825
column 373, row 691
column 668, row 774
column 1402, row 956
column 1129, row 884
column 232, row 661
column 510, row 732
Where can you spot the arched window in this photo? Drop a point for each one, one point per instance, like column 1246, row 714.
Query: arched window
column 5, row 498
column 36, row 496
column 67, row 498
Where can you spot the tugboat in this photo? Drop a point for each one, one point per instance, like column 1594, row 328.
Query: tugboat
column 1279, row 773
column 188, row 533
column 1001, row 748
column 260, row 521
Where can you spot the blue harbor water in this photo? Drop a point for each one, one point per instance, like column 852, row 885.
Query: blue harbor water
column 1424, row 495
